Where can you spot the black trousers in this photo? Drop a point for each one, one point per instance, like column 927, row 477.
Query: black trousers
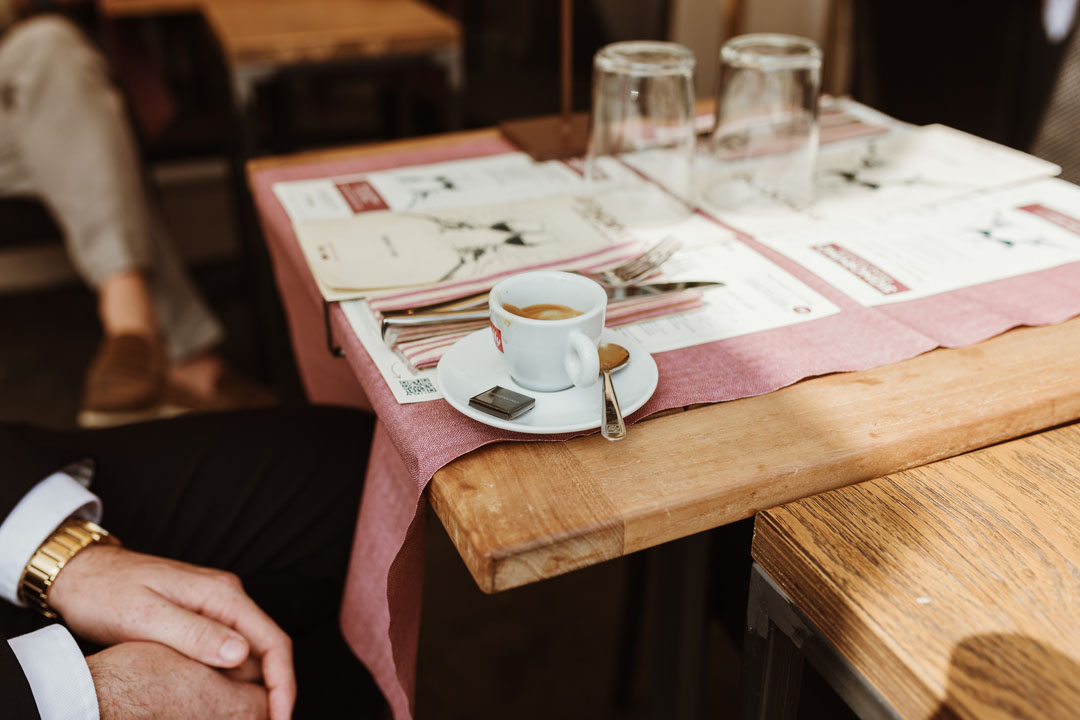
column 984, row 66
column 269, row 495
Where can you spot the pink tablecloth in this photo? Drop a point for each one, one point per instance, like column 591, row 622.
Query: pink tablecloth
column 381, row 611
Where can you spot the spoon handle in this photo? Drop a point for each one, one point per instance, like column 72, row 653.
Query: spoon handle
column 612, row 426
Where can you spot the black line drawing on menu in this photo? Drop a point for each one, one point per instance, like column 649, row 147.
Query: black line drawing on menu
column 429, row 186
column 483, row 245
column 870, row 171
column 1000, row 231
column 873, row 171
column 855, row 176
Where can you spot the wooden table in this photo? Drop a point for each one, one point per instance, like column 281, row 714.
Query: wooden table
column 521, row 512
column 286, row 31
column 259, row 37
column 950, row 590
column 142, row 8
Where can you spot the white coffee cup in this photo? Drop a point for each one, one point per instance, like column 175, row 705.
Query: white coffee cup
column 549, row 355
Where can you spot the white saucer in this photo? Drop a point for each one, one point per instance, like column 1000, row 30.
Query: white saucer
column 473, row 365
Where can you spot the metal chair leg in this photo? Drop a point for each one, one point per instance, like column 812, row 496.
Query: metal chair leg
column 772, row 665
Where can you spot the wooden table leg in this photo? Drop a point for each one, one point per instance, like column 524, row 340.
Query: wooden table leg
column 679, row 577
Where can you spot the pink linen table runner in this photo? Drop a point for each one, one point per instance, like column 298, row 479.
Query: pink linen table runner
column 381, row 609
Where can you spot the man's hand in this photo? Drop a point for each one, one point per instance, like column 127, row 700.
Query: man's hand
column 147, row 680
column 111, row 595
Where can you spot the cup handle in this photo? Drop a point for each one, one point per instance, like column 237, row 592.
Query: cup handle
column 582, row 360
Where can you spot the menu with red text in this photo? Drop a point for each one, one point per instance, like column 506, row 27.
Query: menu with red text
column 877, row 177
column 935, row 249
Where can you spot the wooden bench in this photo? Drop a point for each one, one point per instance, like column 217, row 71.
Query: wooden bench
column 952, row 589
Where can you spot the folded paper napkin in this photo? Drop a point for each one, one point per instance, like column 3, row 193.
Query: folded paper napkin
column 423, row 347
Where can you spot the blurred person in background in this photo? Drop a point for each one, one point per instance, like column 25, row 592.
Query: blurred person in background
column 65, row 140
column 987, row 67
column 1057, row 138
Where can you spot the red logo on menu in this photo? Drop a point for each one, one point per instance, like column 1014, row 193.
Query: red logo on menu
column 498, row 336
column 866, row 271
column 362, row 196
column 1058, row 218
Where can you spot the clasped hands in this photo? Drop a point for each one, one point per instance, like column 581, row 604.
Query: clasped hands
column 182, row 640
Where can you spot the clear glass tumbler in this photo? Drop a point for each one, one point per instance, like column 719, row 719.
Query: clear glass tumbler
column 764, row 144
column 642, row 124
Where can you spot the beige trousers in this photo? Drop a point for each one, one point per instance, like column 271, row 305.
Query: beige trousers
column 65, row 140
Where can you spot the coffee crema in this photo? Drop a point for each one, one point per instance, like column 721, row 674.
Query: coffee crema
column 543, row 311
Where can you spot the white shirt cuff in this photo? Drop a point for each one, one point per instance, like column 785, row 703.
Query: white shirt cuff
column 38, row 513
column 1058, row 18
column 58, row 674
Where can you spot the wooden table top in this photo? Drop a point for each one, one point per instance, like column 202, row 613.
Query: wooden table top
column 293, row 31
column 956, row 584
column 521, row 512
column 136, row 8
column 277, row 32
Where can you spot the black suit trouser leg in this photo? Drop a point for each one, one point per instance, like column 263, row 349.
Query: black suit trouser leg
column 269, row 495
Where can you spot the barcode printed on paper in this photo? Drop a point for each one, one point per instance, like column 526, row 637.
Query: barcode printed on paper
column 418, row 386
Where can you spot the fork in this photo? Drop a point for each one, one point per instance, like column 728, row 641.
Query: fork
column 638, row 267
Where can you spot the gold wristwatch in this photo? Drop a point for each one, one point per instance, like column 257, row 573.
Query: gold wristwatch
column 66, row 542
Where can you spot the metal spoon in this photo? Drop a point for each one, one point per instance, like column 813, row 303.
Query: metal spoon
column 612, row 357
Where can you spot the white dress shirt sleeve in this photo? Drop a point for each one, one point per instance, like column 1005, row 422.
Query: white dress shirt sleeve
column 58, row 675
column 40, row 511
column 53, row 664
column 1058, row 18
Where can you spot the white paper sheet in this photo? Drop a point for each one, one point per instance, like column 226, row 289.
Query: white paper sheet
column 927, row 165
column 494, row 179
column 894, row 204
column 407, row 384
column 757, row 295
column 380, row 250
column 931, row 250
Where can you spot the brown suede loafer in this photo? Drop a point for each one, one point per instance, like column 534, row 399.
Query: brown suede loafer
column 125, row 383
column 233, row 391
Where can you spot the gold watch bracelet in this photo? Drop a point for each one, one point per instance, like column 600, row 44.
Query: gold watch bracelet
column 72, row 537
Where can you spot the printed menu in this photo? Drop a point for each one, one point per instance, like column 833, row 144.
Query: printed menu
column 389, row 250
column 905, row 169
column 900, row 213
column 934, row 249
column 756, row 295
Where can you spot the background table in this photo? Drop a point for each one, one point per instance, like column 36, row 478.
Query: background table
column 261, row 37
column 946, row 590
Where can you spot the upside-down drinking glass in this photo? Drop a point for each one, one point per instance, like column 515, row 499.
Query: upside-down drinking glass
column 642, row 124
column 764, row 144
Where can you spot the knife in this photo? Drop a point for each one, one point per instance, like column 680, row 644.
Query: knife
column 413, row 318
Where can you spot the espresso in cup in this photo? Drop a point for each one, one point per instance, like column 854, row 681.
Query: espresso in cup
column 543, row 355
column 543, row 311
